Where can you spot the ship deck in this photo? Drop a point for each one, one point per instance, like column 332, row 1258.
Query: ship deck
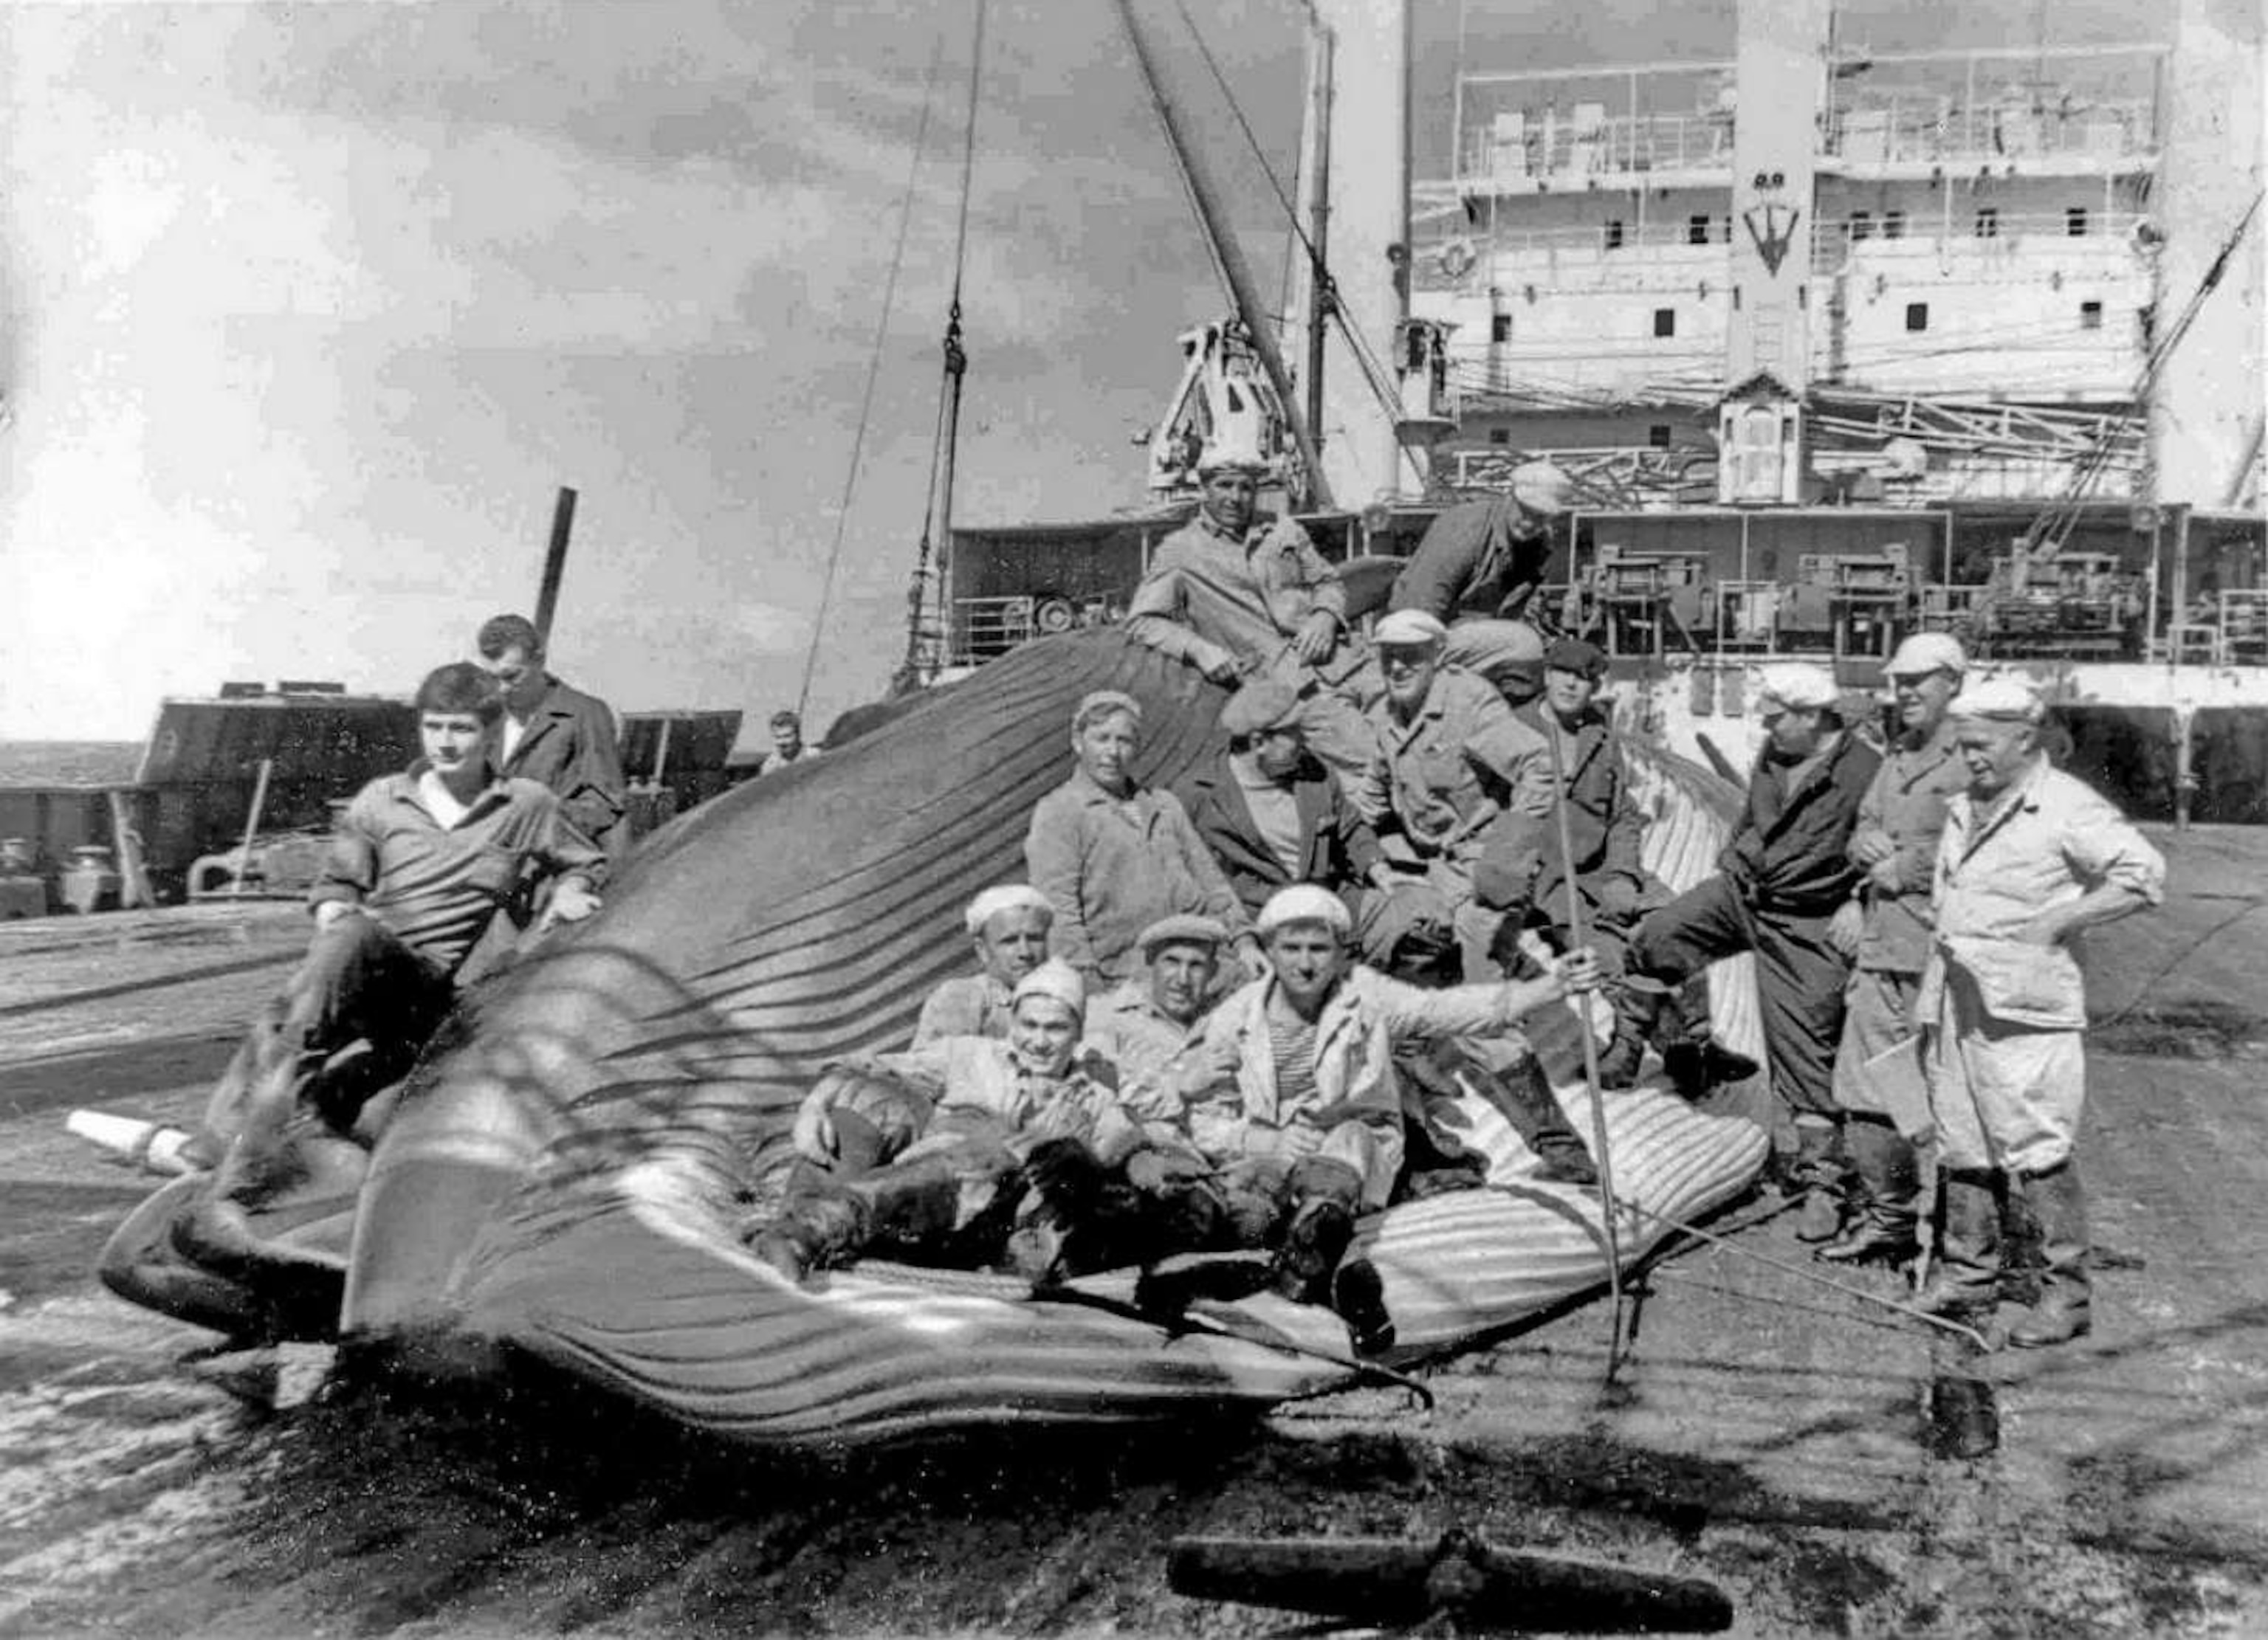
column 1767, row 1433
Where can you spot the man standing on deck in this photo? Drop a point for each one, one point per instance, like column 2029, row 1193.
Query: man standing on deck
column 2029, row 858
column 1236, row 593
column 1008, row 926
column 1448, row 758
column 1878, row 1067
column 554, row 735
column 788, row 745
column 1781, row 881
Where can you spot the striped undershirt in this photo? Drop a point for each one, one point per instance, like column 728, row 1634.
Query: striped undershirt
column 1291, row 1043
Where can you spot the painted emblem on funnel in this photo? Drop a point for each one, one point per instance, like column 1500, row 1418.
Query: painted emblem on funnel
column 1772, row 227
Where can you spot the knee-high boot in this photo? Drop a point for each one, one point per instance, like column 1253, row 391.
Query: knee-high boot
column 1888, row 1189
column 1966, row 1256
column 1819, row 1176
column 2062, row 1313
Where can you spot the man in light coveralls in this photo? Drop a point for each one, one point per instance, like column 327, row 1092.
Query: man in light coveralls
column 2029, row 858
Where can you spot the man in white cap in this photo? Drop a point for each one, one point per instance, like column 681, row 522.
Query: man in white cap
column 1296, row 1098
column 1008, row 927
column 1450, row 758
column 1781, row 881
column 1878, row 1067
column 2029, row 858
column 1112, row 856
column 1236, row 593
column 1003, row 1117
column 1482, row 560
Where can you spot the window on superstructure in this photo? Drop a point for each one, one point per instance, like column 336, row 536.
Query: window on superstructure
column 1614, row 233
column 1657, row 436
column 1499, row 435
column 1861, row 225
column 1988, row 221
column 2090, row 315
column 1696, row 229
column 1665, row 321
column 1916, row 316
column 1499, row 327
column 1894, row 224
column 2075, row 221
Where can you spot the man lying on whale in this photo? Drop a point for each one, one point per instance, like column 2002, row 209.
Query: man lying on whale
column 999, row 1169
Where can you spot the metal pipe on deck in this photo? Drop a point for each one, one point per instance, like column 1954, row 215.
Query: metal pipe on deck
column 555, row 564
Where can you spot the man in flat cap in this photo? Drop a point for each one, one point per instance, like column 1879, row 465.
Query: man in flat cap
column 1878, row 1067
column 1483, row 560
column 1112, row 856
column 1295, row 1096
column 1273, row 816
column 1448, row 758
column 1237, row 593
column 2029, row 858
column 1014, row 1127
column 1781, row 879
column 1008, row 927
column 1141, row 1026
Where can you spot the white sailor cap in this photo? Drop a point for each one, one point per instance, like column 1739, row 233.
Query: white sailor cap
column 1004, row 897
column 1799, row 684
column 1055, row 980
column 2000, row 700
column 1304, row 902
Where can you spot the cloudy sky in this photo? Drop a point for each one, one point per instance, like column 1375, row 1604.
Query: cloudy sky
column 311, row 307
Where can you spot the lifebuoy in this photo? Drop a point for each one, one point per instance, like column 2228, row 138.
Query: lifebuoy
column 1457, row 258
column 1052, row 616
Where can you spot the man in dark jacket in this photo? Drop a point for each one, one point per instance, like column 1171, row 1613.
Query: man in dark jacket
column 1781, row 879
column 1273, row 815
column 557, row 736
column 1480, row 562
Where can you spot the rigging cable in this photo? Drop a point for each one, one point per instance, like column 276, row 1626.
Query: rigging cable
column 873, row 372
column 938, row 506
column 1325, row 287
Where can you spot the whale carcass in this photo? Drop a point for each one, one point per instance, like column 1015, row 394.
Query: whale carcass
column 570, row 1167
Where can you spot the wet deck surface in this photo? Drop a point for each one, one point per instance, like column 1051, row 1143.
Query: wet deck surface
column 1767, row 1435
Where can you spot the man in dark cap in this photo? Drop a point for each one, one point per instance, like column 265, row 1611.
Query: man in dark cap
column 1521, row 872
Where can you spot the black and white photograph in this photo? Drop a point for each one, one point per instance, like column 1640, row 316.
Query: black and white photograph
column 1214, row 817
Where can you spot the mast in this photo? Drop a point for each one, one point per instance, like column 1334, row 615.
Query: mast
column 1250, row 309
column 1323, row 44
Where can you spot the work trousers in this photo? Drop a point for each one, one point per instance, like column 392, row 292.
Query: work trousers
column 1878, row 1071
column 1799, row 979
column 357, row 982
column 2005, row 1097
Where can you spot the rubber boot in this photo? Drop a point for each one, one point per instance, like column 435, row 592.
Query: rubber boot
column 2020, row 1248
column 1889, row 1188
column 1694, row 1060
column 2062, row 1313
column 1325, row 1194
column 821, row 1225
column 1637, row 1012
column 1818, row 1176
column 1533, row 1112
column 1966, row 1265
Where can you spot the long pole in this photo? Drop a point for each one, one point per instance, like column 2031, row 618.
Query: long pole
column 554, row 563
column 1576, row 932
column 1220, row 233
column 1320, row 296
column 251, row 827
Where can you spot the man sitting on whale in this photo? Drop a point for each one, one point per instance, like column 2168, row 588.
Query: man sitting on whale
column 1008, row 927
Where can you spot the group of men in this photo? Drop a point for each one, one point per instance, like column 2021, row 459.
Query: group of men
column 1219, row 1018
